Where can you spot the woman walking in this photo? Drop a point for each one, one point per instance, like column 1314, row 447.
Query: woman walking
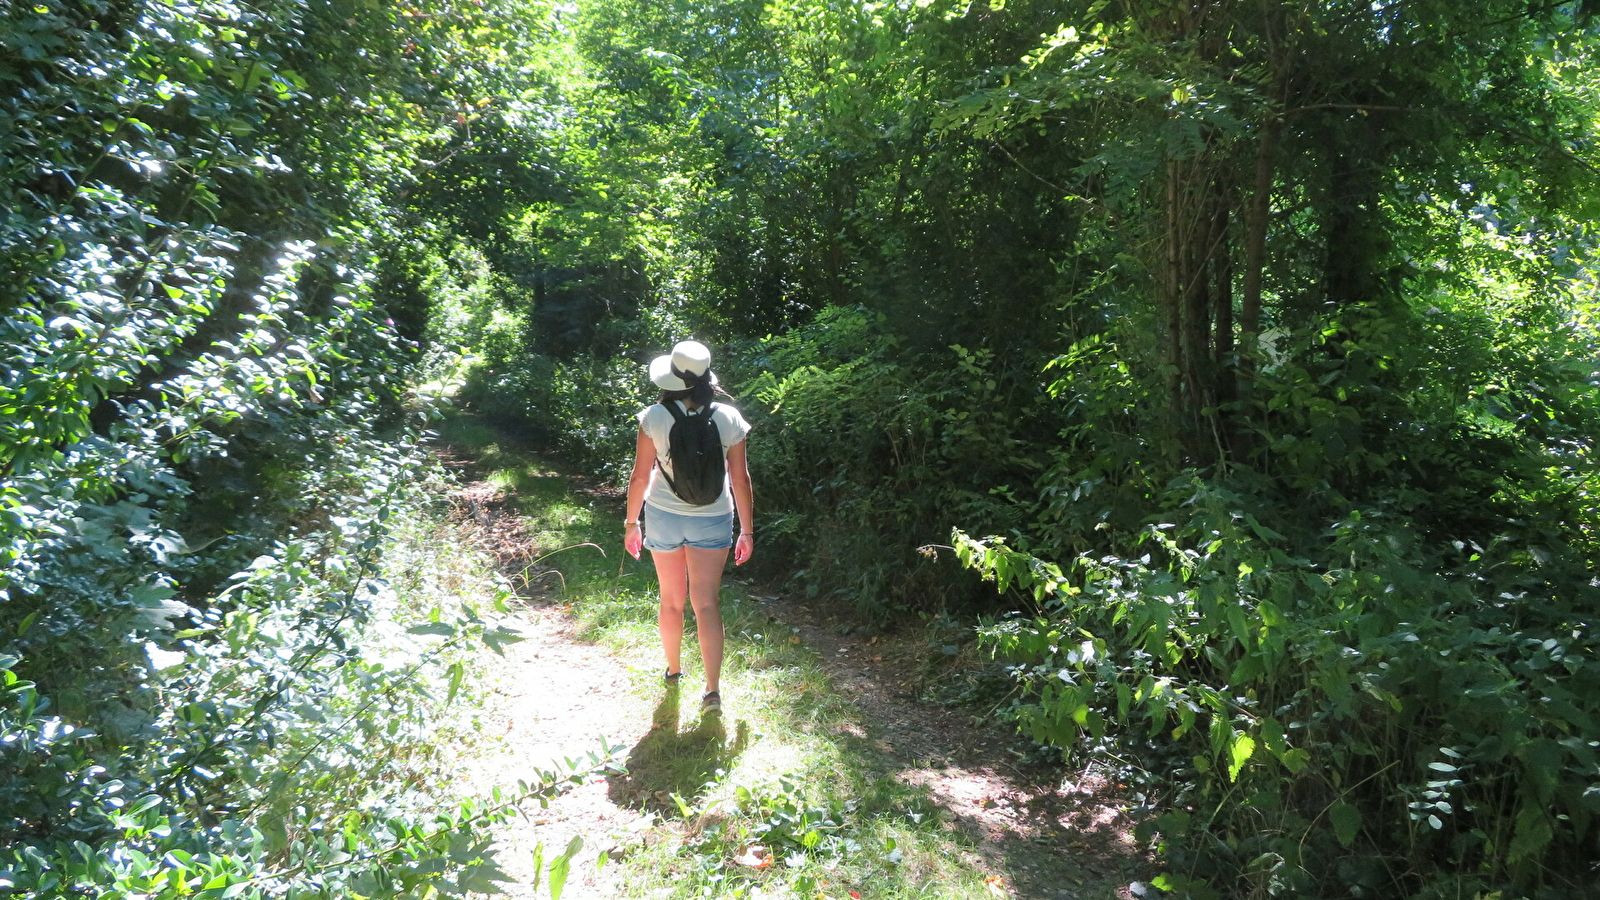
column 688, row 527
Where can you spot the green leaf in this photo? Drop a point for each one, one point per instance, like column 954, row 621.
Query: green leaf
column 561, row 866
column 144, row 804
column 1346, row 821
column 1272, row 737
column 1532, row 833
column 1239, row 753
column 498, row 637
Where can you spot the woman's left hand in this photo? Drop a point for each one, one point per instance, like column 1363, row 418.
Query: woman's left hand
column 742, row 548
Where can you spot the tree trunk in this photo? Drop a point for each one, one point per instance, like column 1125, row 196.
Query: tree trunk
column 1197, row 302
column 1255, row 250
column 1222, row 302
column 1171, row 299
column 1198, row 376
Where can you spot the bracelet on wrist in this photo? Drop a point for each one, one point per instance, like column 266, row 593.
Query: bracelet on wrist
column 633, row 524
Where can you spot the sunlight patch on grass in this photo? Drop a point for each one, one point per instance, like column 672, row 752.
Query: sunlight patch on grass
column 786, row 746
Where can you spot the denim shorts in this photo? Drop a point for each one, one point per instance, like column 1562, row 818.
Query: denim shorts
column 665, row 532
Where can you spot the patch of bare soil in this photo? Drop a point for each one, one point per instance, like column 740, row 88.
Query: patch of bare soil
column 1058, row 834
column 550, row 696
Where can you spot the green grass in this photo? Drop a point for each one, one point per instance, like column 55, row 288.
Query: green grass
column 782, row 766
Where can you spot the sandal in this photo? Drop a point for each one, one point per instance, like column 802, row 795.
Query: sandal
column 711, row 700
column 672, row 677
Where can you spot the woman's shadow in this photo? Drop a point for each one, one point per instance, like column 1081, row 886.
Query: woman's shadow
column 668, row 761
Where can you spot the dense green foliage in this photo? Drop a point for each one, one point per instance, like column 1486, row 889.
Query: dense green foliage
column 1259, row 338
column 206, row 436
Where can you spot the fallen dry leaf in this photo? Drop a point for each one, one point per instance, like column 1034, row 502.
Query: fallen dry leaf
column 996, row 885
column 754, row 856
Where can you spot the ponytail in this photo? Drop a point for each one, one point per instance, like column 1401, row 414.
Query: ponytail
column 701, row 391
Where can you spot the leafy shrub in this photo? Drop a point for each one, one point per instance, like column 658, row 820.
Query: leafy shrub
column 205, row 426
column 582, row 408
column 1364, row 661
column 862, row 452
column 788, row 824
column 290, row 746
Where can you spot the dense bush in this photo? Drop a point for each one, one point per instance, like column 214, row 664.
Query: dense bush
column 205, row 433
column 863, row 451
column 582, row 407
column 1378, row 680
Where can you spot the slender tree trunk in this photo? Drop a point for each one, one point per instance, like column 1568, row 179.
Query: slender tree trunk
column 1255, row 248
column 1222, row 302
column 1189, row 299
column 1197, row 360
column 1171, row 299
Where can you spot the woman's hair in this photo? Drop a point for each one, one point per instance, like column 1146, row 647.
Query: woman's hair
column 701, row 395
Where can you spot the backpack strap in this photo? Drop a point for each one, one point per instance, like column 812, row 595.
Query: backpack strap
column 679, row 415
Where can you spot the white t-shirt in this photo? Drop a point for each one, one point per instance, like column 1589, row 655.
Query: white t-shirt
column 656, row 422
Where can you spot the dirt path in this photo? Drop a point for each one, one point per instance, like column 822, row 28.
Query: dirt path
column 1057, row 834
column 553, row 694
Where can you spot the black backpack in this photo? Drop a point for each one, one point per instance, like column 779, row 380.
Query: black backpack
column 695, row 447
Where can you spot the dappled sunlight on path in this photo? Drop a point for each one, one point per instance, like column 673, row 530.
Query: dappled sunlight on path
column 554, row 696
column 1056, row 835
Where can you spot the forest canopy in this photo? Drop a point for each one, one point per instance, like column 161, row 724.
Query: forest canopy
column 1248, row 347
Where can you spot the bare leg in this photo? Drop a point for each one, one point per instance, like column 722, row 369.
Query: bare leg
column 673, row 574
column 705, row 589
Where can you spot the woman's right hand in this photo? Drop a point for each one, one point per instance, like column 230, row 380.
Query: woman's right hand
column 632, row 540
